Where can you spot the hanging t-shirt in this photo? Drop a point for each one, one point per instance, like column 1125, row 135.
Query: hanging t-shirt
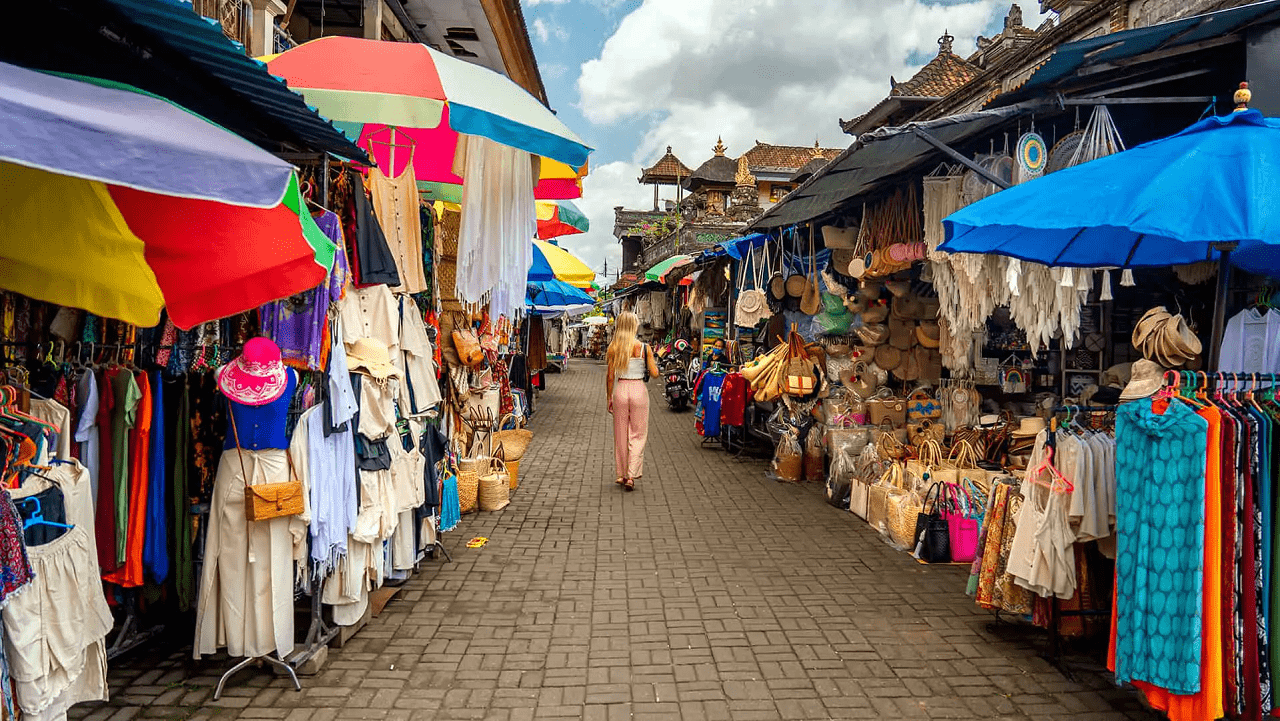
column 1250, row 343
column 733, row 400
column 709, row 404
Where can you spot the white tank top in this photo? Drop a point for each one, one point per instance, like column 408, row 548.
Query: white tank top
column 635, row 367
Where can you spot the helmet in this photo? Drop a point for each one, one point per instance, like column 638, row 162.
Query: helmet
column 682, row 345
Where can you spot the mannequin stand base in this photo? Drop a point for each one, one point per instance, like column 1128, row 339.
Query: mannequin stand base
column 217, row 692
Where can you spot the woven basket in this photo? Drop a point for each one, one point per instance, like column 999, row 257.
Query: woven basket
column 468, row 483
column 513, row 474
column 495, row 491
column 514, row 443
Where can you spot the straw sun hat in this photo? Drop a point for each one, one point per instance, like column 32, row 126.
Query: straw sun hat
column 1165, row 338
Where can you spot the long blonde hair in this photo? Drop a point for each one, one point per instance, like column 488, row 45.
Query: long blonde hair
column 623, row 344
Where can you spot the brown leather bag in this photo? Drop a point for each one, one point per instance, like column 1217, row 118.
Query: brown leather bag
column 267, row 500
column 468, row 347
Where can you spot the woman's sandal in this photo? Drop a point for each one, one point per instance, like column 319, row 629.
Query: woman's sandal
column 620, row 481
column 629, row 484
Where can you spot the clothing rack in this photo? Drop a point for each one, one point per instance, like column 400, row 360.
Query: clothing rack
column 1054, row 653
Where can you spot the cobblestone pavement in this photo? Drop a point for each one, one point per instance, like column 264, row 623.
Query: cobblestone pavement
column 710, row 592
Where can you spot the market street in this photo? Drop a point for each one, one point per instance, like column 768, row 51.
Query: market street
column 711, row 592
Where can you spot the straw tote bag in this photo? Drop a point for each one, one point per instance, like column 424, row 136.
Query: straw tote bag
column 878, row 497
column 494, row 491
column 810, row 303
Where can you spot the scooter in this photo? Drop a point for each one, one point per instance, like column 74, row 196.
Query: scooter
column 678, row 391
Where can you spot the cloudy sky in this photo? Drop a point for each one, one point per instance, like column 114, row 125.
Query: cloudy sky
column 634, row 76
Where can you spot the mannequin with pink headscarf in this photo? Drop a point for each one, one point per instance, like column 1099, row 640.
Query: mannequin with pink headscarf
column 246, row 584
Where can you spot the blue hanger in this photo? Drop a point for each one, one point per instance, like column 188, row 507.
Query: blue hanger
column 37, row 517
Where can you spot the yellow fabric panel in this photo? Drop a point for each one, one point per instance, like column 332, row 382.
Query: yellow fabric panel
column 566, row 266
column 65, row 242
column 546, row 209
column 556, row 169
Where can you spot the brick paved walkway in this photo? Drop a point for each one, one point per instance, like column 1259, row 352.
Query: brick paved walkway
column 709, row 593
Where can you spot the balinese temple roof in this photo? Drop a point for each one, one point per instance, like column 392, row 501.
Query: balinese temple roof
column 667, row 171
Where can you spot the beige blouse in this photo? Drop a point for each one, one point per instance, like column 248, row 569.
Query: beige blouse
column 395, row 200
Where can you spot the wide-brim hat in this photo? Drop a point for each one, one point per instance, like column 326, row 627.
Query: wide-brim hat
column 1146, row 379
column 1029, row 426
column 370, row 355
column 1147, row 324
column 928, row 334
column 909, row 368
column 888, row 357
column 257, row 376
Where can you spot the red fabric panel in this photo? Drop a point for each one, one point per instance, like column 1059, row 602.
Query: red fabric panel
column 213, row 260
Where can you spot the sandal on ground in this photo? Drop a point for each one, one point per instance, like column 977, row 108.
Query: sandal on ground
column 629, row 484
column 620, row 481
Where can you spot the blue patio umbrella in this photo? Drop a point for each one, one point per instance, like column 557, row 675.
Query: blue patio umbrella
column 1206, row 193
column 557, row 293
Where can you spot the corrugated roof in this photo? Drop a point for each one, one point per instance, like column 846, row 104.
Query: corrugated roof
column 872, row 160
column 175, row 24
column 1069, row 58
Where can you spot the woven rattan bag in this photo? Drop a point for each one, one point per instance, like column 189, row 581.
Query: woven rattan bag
column 494, row 493
column 469, row 482
column 266, row 501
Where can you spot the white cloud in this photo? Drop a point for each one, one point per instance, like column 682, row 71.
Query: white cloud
column 608, row 185
column 770, row 70
column 545, row 31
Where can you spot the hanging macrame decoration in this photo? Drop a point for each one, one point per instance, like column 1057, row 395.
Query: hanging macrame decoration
column 1032, row 156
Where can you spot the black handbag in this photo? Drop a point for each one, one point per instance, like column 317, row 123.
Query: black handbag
column 933, row 534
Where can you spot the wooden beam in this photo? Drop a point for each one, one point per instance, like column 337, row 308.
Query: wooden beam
column 1149, row 83
column 506, row 20
column 288, row 15
column 956, row 156
column 1155, row 55
column 1139, row 101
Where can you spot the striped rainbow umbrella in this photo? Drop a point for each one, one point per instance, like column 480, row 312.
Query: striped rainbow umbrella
column 122, row 203
column 658, row 273
column 557, row 218
column 367, row 86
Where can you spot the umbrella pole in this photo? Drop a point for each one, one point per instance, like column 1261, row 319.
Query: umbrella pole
column 1220, row 303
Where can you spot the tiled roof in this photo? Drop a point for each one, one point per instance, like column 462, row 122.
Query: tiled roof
column 667, row 170
column 785, row 157
column 943, row 74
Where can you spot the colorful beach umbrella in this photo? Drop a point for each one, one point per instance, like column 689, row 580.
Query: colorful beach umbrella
column 564, row 265
column 367, row 85
column 560, row 217
column 121, row 203
column 658, row 273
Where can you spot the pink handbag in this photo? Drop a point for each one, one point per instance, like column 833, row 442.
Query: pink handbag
column 962, row 529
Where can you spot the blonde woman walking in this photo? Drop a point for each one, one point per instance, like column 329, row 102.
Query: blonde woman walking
column 631, row 363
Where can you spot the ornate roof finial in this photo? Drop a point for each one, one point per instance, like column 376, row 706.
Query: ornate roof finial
column 1242, row 97
column 744, row 176
column 668, row 150
column 817, row 149
column 944, row 42
column 719, row 149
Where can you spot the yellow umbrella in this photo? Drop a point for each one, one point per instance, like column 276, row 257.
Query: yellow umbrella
column 565, row 265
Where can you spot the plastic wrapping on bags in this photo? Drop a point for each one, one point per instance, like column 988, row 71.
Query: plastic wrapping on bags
column 788, row 459
column 814, row 456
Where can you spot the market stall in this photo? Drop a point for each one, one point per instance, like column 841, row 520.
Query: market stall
column 215, row 441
